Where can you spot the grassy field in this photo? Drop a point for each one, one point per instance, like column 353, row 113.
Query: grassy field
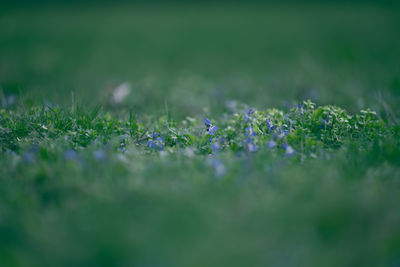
column 200, row 135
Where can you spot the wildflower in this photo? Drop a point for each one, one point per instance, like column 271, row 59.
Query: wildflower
column 215, row 147
column 249, row 111
column 207, row 122
column 269, row 125
column 218, row 165
column 271, row 144
column 211, row 129
column 70, row 155
column 151, row 144
column 250, row 145
column 300, row 108
column 249, row 131
column 246, row 118
column 158, row 143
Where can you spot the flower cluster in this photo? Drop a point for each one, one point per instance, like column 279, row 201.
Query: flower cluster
column 156, row 142
column 211, row 129
column 249, row 132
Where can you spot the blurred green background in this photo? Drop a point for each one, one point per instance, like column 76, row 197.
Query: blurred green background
column 202, row 54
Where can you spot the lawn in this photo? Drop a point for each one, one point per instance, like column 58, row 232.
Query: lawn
column 200, row 135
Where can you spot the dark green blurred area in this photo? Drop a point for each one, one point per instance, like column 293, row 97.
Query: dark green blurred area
column 200, row 55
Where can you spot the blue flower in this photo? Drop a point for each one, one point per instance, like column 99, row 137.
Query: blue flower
column 249, row 131
column 218, row 165
column 271, row 144
column 70, row 155
column 215, row 147
column 151, row 144
column 250, row 145
column 212, row 129
column 158, row 143
column 207, row 122
column 249, row 111
column 300, row 108
column 270, row 127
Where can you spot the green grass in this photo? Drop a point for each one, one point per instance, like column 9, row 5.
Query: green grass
column 147, row 181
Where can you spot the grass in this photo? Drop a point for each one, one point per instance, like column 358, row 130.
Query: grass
column 180, row 172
